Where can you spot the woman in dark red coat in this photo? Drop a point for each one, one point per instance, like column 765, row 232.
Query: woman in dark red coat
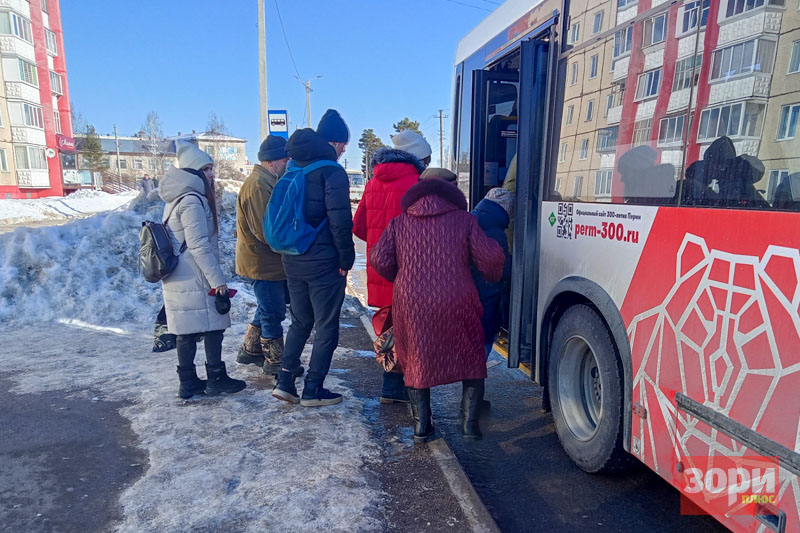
column 427, row 252
column 395, row 171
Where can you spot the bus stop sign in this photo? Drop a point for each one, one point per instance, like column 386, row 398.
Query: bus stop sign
column 279, row 122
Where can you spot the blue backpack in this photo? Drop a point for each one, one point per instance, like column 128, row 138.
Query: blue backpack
column 285, row 227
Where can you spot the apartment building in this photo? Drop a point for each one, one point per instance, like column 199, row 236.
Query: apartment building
column 37, row 150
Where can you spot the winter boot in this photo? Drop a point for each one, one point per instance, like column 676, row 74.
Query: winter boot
column 285, row 388
column 219, row 381
column 163, row 340
column 471, row 403
column 315, row 395
column 190, row 383
column 250, row 353
column 273, row 351
column 421, row 410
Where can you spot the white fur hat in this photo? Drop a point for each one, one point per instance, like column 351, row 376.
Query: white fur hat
column 413, row 143
column 190, row 156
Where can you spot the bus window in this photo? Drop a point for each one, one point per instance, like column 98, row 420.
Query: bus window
column 501, row 132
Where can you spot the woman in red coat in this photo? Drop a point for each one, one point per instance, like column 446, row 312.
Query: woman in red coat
column 427, row 252
column 395, row 171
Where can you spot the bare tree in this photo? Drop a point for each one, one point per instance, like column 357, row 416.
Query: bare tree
column 79, row 125
column 224, row 167
column 154, row 141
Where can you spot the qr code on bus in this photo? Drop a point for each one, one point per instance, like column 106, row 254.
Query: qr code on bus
column 564, row 228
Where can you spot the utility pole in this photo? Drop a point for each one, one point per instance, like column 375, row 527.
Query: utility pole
column 262, row 71
column 307, row 85
column 345, row 164
column 442, row 116
column 119, row 172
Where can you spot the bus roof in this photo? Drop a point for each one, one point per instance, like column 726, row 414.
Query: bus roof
column 501, row 18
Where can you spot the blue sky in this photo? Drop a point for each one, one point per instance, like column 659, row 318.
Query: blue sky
column 380, row 60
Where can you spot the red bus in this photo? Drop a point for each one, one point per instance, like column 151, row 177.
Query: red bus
column 654, row 151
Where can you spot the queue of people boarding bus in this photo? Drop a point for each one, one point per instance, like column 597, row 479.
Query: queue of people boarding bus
column 433, row 273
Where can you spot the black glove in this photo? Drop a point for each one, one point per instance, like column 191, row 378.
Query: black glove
column 222, row 302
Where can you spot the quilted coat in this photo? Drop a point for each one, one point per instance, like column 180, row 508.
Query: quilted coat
column 327, row 196
column 189, row 217
column 395, row 172
column 427, row 251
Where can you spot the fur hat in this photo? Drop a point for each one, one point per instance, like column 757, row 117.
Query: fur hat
column 272, row 149
column 332, row 127
column 503, row 198
column 413, row 143
column 190, row 156
column 441, row 173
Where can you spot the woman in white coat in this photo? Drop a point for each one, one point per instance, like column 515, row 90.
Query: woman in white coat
column 191, row 215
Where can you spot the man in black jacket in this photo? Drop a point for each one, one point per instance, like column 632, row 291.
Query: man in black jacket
column 317, row 278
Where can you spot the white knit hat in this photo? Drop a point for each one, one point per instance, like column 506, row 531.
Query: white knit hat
column 413, row 143
column 503, row 198
column 190, row 156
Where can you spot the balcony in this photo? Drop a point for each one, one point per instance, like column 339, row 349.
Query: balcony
column 614, row 115
column 26, row 135
column 679, row 100
column 750, row 24
column 621, row 68
column 23, row 7
column 744, row 86
column 22, row 91
column 11, row 45
column 34, row 179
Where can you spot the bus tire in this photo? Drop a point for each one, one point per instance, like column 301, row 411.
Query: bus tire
column 586, row 391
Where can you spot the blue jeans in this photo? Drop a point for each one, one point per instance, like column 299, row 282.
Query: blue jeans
column 393, row 385
column 487, row 348
column 316, row 303
column 271, row 311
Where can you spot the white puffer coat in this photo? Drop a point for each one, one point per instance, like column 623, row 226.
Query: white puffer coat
column 189, row 217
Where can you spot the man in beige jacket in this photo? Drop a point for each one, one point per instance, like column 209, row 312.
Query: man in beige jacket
column 263, row 341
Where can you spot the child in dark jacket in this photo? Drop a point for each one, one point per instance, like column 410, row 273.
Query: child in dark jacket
column 493, row 214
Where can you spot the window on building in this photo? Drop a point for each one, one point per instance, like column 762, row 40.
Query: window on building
column 44, row 6
column 574, row 33
column 671, row 130
column 597, row 27
column 752, row 56
column 52, row 43
column 573, row 77
column 151, row 163
column 584, row 149
column 33, row 115
column 648, row 84
column 209, row 149
column 623, row 41
column 27, row 72
column 57, row 120
column 123, row 164
column 30, row 158
column 570, row 114
column 609, row 104
column 694, row 12
column 138, row 164
column 622, row 4
column 562, row 154
column 22, row 27
column 602, row 183
column 578, row 187
column 737, row 7
column 593, row 66
column 794, row 61
column 775, row 179
column 687, row 72
column 655, row 30
column 3, row 160
column 167, row 164
column 589, row 110
column 607, row 139
column 742, row 119
column 55, row 84
column 641, row 132
column 558, row 184
column 106, row 163
column 787, row 127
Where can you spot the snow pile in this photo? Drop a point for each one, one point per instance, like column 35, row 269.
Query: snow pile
column 245, row 462
column 79, row 204
column 88, row 269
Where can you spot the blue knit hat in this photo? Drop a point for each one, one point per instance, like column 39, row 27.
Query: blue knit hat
column 272, row 149
column 332, row 128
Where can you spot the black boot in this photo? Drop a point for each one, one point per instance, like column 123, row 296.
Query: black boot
column 219, row 381
column 421, row 409
column 471, row 402
column 190, row 383
column 163, row 340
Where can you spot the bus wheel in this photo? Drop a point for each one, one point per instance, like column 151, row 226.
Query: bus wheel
column 585, row 384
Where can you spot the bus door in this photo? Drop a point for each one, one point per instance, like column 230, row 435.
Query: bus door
column 509, row 113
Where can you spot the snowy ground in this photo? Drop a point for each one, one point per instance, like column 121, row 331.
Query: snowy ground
column 77, row 205
column 70, row 295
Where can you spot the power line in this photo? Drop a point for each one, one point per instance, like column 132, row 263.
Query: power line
column 286, row 39
column 491, row 2
column 468, row 5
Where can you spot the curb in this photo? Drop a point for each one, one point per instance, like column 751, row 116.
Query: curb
column 472, row 506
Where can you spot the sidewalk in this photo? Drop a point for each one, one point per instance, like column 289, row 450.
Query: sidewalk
column 246, row 462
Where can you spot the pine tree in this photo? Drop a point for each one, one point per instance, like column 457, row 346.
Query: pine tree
column 369, row 144
column 93, row 153
column 407, row 124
